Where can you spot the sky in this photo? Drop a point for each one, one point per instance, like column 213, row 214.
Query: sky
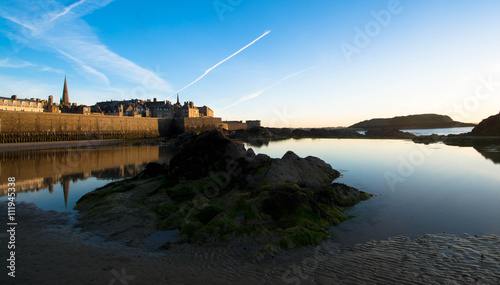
column 288, row 63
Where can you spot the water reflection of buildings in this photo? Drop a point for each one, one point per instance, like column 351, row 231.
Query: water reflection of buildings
column 37, row 170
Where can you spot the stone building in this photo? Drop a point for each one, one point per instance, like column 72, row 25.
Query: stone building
column 206, row 112
column 160, row 109
column 253, row 124
column 26, row 105
column 189, row 110
column 155, row 109
column 240, row 125
column 51, row 107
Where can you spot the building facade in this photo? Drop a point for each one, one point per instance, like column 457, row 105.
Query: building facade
column 24, row 105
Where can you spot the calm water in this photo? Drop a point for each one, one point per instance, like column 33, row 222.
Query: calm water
column 442, row 132
column 56, row 179
column 421, row 188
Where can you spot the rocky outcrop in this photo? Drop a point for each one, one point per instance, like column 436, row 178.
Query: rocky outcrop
column 423, row 121
column 215, row 191
column 262, row 135
column 292, row 168
column 388, row 133
column 488, row 127
column 486, row 133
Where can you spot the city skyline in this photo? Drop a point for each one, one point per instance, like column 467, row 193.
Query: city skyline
column 290, row 65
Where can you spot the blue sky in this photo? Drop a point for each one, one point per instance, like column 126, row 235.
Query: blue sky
column 289, row 63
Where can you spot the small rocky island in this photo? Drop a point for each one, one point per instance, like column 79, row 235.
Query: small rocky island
column 214, row 191
column 421, row 121
column 486, row 133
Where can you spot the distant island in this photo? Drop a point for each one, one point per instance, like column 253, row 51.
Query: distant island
column 422, row 121
column 486, row 133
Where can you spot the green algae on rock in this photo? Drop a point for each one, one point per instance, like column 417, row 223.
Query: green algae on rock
column 214, row 191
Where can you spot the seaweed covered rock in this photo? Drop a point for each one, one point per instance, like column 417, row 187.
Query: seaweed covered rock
column 214, row 191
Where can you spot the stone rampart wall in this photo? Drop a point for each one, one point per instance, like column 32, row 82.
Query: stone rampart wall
column 34, row 127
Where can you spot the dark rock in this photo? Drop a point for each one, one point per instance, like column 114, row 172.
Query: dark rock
column 423, row 121
column 214, row 191
column 388, row 133
column 347, row 196
column 165, row 246
column 208, row 152
column 262, row 136
column 488, row 127
column 434, row 138
column 153, row 169
column 292, row 168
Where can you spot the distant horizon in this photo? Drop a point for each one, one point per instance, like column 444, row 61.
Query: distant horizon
column 297, row 127
column 300, row 65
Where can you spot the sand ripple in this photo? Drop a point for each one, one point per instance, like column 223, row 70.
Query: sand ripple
column 50, row 251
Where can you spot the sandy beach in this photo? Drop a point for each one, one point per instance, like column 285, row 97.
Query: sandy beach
column 49, row 250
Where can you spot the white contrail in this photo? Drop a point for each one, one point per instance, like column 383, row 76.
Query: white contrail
column 258, row 93
column 67, row 9
column 221, row 62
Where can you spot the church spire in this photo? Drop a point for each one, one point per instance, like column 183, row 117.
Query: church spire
column 178, row 98
column 65, row 96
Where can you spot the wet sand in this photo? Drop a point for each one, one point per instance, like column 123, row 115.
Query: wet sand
column 49, row 250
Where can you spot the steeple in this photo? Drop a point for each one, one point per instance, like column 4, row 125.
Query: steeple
column 65, row 186
column 65, row 96
column 178, row 98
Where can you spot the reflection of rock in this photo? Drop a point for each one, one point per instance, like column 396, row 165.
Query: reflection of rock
column 434, row 138
column 215, row 191
column 492, row 153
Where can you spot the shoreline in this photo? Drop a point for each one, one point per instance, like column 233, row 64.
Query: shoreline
column 6, row 147
column 50, row 250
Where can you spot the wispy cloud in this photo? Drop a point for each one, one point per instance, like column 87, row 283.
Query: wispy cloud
column 27, row 88
column 73, row 39
column 66, row 10
column 86, row 68
column 258, row 93
column 18, row 63
column 222, row 61
column 9, row 63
